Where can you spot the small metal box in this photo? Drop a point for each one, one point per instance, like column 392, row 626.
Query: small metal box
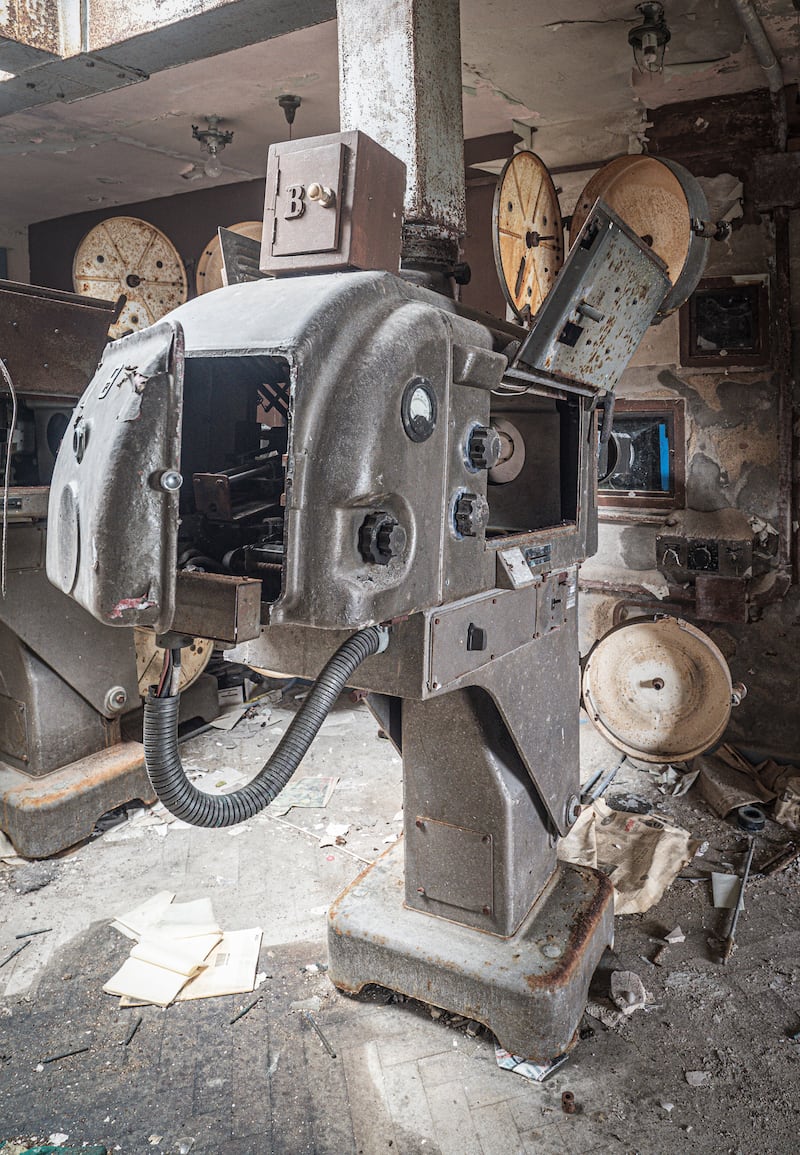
column 332, row 202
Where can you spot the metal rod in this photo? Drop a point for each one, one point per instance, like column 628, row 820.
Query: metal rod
column 730, row 941
column 313, row 1023
column 246, row 1010
column 9, row 957
column 31, row 933
column 65, row 1055
column 604, row 782
column 132, row 1031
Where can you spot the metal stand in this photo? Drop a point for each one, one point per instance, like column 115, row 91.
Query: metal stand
column 529, row 989
column 479, row 919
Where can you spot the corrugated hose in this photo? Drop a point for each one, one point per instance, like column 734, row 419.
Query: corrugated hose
column 163, row 761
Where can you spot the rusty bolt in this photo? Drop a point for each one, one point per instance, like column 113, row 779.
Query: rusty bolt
column 420, row 823
column 116, row 699
column 487, row 910
column 420, row 890
column 568, row 1103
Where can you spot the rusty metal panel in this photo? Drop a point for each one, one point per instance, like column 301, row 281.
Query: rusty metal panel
column 226, row 609
column 601, row 305
column 44, row 815
column 51, row 341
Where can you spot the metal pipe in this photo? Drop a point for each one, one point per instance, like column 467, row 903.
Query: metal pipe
column 400, row 82
column 766, row 57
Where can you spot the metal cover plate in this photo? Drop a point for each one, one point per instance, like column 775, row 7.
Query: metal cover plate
column 506, row 619
column 470, row 886
column 658, row 689
column 124, row 434
column 302, row 225
column 600, row 307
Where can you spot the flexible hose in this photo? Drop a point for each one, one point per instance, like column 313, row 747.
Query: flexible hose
column 185, row 801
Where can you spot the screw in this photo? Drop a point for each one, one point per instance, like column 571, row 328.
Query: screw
column 170, row 480
column 568, row 1103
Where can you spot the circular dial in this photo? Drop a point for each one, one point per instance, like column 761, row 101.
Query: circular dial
column 658, row 689
column 150, row 659
column 209, row 267
column 130, row 256
column 528, row 235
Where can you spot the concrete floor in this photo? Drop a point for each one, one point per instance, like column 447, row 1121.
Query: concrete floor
column 402, row 1082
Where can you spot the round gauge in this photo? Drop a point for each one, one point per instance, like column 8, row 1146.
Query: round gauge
column 130, row 256
column 659, row 200
column 658, row 689
column 527, row 233
column 209, row 266
column 418, row 409
column 150, row 659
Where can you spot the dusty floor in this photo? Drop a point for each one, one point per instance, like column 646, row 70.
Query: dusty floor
column 401, row 1081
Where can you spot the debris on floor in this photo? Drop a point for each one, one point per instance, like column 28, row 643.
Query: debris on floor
column 628, row 993
column 313, row 790
column 641, row 854
column 725, row 890
column 181, row 953
column 536, row 1072
column 729, row 781
column 33, row 876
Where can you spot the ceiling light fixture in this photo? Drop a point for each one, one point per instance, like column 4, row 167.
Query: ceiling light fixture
column 649, row 39
column 290, row 104
column 212, row 140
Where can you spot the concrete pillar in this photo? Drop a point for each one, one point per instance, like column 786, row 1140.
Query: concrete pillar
column 400, row 82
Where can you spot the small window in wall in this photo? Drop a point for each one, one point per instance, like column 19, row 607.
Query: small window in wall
column 646, row 463
column 726, row 322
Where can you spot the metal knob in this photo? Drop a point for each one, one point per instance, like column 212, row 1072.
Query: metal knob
column 381, row 538
column 484, row 447
column 471, row 514
column 321, row 193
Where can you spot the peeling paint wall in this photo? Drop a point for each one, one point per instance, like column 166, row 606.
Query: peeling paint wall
column 733, row 471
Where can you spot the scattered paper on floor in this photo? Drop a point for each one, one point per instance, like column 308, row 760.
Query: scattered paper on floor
column 641, row 853
column 180, row 952
column 728, row 781
column 312, row 790
column 230, row 968
column 528, row 1068
column 135, row 923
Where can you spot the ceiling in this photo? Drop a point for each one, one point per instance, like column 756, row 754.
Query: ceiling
column 551, row 66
